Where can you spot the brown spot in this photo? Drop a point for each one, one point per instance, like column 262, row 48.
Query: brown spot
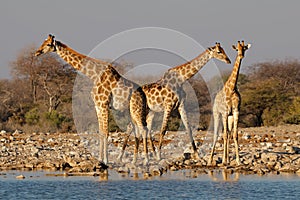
column 168, row 76
column 194, row 70
column 190, row 74
column 159, row 100
column 183, row 71
column 113, row 84
column 164, row 92
column 100, row 90
column 91, row 73
column 172, row 81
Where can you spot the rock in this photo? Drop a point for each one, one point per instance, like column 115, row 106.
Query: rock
column 259, row 171
column 286, row 168
column 173, row 168
column 269, row 144
column 29, row 166
column 156, row 170
column 290, row 149
column 187, row 155
column 246, row 136
column 187, row 162
column 264, row 157
column 75, row 170
column 20, row 177
column 3, row 140
column 271, row 165
column 147, row 175
column 123, row 170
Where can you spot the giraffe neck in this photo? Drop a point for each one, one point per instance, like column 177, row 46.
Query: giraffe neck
column 230, row 84
column 86, row 65
column 189, row 69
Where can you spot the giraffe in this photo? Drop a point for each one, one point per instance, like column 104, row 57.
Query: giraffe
column 227, row 106
column 167, row 93
column 109, row 87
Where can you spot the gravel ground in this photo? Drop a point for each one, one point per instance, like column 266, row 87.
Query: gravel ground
column 262, row 150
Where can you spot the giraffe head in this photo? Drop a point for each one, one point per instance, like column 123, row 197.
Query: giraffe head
column 218, row 52
column 241, row 48
column 47, row 46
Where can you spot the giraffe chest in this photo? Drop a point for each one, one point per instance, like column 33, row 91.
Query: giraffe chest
column 227, row 103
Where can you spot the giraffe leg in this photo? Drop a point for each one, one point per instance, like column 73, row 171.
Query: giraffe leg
column 225, row 138
column 184, row 119
column 101, row 143
column 128, row 132
column 136, row 149
column 235, row 136
column 102, row 114
column 230, row 127
column 216, row 134
column 144, row 131
column 138, row 116
column 150, row 117
column 163, row 129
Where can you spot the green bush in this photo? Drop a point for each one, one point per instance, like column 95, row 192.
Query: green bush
column 55, row 118
column 293, row 116
column 32, row 116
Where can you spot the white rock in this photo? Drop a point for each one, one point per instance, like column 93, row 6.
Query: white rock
column 269, row 144
column 20, row 177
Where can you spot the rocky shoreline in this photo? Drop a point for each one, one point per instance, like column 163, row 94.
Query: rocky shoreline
column 263, row 150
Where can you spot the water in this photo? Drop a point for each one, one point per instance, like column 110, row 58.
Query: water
column 177, row 185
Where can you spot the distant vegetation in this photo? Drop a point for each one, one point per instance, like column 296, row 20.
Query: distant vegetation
column 39, row 95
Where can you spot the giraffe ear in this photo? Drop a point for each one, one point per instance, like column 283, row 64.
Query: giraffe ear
column 234, row 47
column 248, row 46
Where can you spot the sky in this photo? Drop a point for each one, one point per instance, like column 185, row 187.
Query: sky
column 272, row 27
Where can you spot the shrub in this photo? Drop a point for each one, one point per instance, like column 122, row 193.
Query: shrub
column 32, row 116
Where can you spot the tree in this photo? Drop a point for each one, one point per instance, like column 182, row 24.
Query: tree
column 269, row 93
column 40, row 92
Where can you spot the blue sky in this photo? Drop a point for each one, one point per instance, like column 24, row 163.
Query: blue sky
column 271, row 26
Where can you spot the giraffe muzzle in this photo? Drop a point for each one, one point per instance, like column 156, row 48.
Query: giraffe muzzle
column 228, row 61
column 39, row 52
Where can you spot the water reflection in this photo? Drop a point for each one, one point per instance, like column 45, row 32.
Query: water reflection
column 213, row 175
column 224, row 175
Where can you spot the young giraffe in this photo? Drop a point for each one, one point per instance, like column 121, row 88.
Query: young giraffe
column 167, row 94
column 227, row 106
column 109, row 87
